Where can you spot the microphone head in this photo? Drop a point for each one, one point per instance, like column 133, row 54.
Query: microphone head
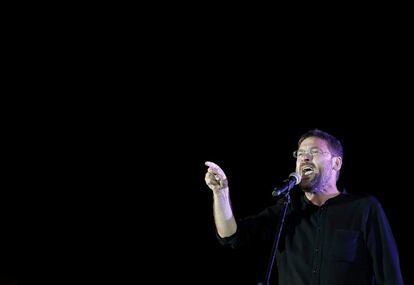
column 297, row 177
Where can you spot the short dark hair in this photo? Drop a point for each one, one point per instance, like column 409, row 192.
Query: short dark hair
column 334, row 145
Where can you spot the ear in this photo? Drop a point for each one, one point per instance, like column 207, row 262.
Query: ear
column 337, row 163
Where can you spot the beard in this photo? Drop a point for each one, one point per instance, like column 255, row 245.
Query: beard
column 317, row 183
column 312, row 185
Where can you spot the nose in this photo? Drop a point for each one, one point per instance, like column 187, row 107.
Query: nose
column 306, row 156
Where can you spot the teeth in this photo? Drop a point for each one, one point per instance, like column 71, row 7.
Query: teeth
column 307, row 172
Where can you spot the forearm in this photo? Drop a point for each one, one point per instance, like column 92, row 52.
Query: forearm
column 223, row 214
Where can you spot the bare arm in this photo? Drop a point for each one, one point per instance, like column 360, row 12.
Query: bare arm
column 224, row 219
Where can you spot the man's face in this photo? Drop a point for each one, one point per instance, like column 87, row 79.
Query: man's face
column 314, row 163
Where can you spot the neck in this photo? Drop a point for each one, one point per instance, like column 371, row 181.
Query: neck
column 319, row 198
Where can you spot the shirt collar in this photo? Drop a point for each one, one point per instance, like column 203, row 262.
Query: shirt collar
column 306, row 203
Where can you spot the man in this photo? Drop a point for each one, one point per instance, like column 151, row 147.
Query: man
column 329, row 237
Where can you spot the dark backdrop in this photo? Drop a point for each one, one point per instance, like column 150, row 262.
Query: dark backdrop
column 120, row 197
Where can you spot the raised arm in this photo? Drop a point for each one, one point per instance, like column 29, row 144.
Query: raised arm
column 224, row 219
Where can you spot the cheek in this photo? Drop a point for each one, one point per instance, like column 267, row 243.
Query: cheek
column 327, row 167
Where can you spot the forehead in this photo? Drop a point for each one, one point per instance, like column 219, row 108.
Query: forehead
column 312, row 142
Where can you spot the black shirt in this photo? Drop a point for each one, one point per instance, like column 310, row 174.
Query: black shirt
column 348, row 240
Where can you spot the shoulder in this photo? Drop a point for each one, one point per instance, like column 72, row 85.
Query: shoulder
column 366, row 198
column 362, row 200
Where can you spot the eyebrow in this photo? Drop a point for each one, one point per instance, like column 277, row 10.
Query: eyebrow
column 311, row 148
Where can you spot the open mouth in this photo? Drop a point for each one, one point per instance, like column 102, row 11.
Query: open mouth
column 307, row 170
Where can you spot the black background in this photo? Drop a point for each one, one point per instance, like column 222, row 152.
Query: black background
column 108, row 196
column 104, row 168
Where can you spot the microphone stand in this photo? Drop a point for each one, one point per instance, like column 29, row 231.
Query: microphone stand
column 276, row 240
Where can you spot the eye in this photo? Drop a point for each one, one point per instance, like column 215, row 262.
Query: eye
column 315, row 152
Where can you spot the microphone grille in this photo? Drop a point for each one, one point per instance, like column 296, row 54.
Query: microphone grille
column 297, row 177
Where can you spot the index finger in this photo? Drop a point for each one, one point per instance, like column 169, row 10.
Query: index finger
column 215, row 168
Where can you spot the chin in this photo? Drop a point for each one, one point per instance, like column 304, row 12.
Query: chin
column 309, row 185
column 307, row 181
column 306, row 187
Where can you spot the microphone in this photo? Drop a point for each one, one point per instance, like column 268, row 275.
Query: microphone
column 294, row 179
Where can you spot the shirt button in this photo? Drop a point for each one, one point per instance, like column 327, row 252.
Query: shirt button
column 316, row 250
column 315, row 271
